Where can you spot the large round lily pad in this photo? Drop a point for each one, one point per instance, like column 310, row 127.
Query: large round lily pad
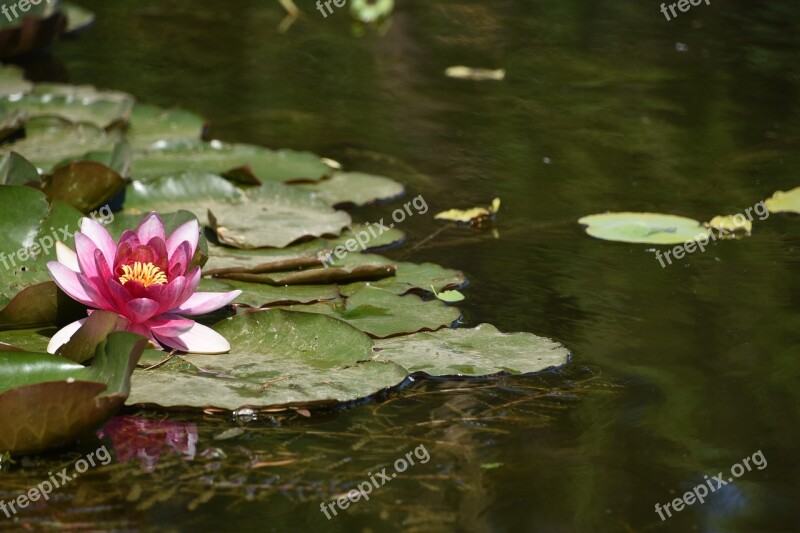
column 277, row 358
column 652, row 228
column 479, row 351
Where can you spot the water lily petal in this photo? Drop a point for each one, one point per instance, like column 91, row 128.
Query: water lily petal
column 67, row 257
column 140, row 310
column 201, row 303
column 85, row 248
column 64, row 335
column 100, row 237
column 199, row 339
column 170, row 325
column 187, row 232
column 168, row 296
column 180, row 259
column 144, row 331
column 97, row 299
column 69, row 282
column 151, row 226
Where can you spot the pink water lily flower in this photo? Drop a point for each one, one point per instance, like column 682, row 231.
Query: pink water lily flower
column 145, row 279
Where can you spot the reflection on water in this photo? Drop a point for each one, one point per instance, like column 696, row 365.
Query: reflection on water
column 605, row 106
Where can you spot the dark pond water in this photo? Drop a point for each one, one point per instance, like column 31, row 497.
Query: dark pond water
column 678, row 372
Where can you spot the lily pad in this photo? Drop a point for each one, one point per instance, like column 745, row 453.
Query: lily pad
column 355, row 189
column 76, row 103
column 27, row 241
column 260, row 295
column 16, row 170
column 151, row 124
column 784, row 202
column 652, row 228
column 49, row 141
column 272, row 215
column 174, row 156
column 414, row 277
column 12, row 81
column 277, row 358
column 47, row 401
column 478, row 351
column 78, row 18
column 381, row 313
column 84, row 185
column 231, row 259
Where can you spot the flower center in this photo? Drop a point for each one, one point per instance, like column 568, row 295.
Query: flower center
column 145, row 273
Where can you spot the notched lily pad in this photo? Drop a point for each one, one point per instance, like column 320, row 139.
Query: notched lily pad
column 355, row 189
column 652, row 228
column 478, row 351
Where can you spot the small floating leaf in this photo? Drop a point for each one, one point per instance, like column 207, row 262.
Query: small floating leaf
column 729, row 225
column 476, row 215
column 784, row 202
column 478, row 74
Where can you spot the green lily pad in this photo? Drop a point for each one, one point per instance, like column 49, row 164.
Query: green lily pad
column 232, row 259
column 260, row 295
column 42, row 304
column 414, row 277
column 76, row 103
column 478, row 351
column 355, row 189
column 174, row 156
column 277, row 358
column 28, row 340
column 47, row 401
column 50, row 141
column 272, row 215
column 150, row 125
column 381, row 313
column 651, row 228
column 784, row 202
column 78, row 18
column 85, row 185
column 16, row 170
column 27, row 242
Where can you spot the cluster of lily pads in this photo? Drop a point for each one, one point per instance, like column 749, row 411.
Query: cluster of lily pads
column 302, row 334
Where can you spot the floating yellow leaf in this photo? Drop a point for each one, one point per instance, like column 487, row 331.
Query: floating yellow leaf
column 477, row 74
column 476, row 215
column 730, row 224
column 784, row 202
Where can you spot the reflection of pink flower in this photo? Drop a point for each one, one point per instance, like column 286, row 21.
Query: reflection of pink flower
column 145, row 279
column 147, row 439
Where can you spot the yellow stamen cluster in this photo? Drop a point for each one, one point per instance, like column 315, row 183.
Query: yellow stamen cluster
column 145, row 273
